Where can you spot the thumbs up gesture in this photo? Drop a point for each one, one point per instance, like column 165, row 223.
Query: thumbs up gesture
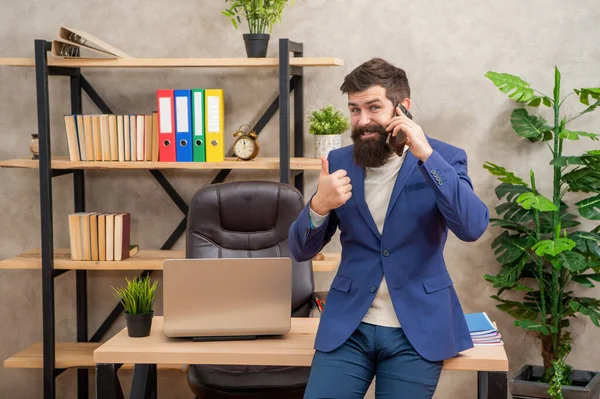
column 333, row 190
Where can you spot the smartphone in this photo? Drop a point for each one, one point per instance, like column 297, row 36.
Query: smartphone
column 396, row 143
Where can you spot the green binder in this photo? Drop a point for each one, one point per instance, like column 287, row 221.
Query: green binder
column 199, row 151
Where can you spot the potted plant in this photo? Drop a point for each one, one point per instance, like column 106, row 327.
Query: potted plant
column 137, row 298
column 260, row 15
column 545, row 253
column 326, row 125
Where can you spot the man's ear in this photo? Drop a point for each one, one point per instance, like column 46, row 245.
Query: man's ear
column 406, row 103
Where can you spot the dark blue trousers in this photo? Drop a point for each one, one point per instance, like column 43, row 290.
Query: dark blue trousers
column 373, row 351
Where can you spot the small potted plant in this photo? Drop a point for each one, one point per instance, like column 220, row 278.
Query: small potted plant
column 137, row 298
column 327, row 125
column 260, row 15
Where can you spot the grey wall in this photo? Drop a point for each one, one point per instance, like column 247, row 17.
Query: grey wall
column 445, row 46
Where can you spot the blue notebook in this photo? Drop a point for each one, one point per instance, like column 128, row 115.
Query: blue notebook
column 479, row 323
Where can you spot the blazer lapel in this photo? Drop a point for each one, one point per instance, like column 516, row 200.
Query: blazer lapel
column 409, row 164
column 357, row 179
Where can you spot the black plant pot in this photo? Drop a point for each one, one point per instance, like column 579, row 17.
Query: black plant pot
column 526, row 385
column 256, row 44
column 139, row 325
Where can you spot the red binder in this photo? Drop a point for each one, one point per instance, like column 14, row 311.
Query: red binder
column 166, row 126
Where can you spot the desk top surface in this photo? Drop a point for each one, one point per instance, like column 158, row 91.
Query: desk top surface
column 292, row 349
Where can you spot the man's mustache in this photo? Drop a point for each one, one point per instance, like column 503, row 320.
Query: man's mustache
column 375, row 128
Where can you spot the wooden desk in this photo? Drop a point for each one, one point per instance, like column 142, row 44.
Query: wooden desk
column 293, row 349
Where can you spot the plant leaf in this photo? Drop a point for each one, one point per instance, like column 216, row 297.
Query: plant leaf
column 536, row 326
column 530, row 127
column 516, row 88
column 584, row 279
column 539, row 202
column 510, row 190
column 510, row 248
column 553, row 247
column 518, row 310
column 570, row 135
column 504, row 175
column 572, row 261
column 514, row 213
column 567, row 161
column 585, row 179
column 586, row 241
column 589, row 208
column 585, row 94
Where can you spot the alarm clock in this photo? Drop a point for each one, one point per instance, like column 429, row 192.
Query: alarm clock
column 245, row 146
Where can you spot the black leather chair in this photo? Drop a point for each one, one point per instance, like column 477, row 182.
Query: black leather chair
column 243, row 220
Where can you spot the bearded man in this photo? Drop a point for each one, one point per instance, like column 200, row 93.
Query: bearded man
column 392, row 311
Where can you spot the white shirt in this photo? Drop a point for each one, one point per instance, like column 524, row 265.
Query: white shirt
column 379, row 183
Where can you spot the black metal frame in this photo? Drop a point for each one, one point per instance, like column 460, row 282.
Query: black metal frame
column 78, row 83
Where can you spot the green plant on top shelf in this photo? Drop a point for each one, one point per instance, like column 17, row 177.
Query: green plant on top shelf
column 260, row 14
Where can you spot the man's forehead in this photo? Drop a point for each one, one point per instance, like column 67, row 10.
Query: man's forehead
column 369, row 95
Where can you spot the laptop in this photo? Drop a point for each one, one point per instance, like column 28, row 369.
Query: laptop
column 227, row 298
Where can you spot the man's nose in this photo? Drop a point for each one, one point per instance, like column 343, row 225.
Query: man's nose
column 364, row 119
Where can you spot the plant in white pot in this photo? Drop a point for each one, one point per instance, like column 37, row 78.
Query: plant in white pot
column 260, row 16
column 137, row 298
column 548, row 258
column 327, row 125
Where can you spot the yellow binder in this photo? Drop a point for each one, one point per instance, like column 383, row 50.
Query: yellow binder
column 214, row 121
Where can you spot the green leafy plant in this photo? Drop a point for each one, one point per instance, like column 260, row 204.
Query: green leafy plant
column 543, row 252
column 260, row 14
column 327, row 120
column 138, row 296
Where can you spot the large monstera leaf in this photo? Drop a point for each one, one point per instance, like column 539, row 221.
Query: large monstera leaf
column 516, row 88
column 509, row 248
column 530, row 127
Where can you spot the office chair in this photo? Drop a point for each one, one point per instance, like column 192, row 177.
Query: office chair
column 243, row 220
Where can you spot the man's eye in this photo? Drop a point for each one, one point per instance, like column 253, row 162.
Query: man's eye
column 375, row 107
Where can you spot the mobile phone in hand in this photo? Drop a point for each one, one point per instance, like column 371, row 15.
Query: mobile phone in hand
column 396, row 143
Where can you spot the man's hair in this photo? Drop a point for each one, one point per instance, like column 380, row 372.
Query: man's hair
column 375, row 72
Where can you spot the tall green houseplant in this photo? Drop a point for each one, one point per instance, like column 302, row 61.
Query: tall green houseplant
column 544, row 252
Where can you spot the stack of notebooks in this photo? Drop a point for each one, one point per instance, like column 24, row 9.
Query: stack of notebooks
column 100, row 236
column 483, row 332
column 107, row 137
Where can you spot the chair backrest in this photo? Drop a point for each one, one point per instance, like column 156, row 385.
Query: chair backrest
column 249, row 219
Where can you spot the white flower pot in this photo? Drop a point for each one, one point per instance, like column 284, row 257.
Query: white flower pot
column 325, row 143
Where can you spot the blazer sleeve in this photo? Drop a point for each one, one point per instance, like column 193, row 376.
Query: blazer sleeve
column 306, row 242
column 466, row 215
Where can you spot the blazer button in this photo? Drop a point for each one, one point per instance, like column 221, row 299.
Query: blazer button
column 386, row 253
column 434, row 172
column 373, row 289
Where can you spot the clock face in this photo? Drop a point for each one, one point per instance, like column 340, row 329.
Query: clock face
column 244, row 147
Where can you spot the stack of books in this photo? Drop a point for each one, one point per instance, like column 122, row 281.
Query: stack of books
column 108, row 137
column 483, row 331
column 100, row 236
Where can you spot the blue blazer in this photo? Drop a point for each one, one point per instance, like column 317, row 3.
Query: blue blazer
column 427, row 199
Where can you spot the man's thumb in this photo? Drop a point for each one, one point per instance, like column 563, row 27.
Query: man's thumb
column 324, row 166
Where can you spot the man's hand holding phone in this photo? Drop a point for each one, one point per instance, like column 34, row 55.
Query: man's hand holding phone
column 333, row 189
column 415, row 138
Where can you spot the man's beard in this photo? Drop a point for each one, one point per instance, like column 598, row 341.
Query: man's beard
column 371, row 152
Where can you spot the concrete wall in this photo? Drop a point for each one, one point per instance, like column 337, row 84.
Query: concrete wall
column 445, row 47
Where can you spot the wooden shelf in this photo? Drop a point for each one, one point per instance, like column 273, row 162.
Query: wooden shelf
column 144, row 260
column 174, row 62
column 259, row 163
column 68, row 355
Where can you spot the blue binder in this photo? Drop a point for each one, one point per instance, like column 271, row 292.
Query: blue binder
column 183, row 125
